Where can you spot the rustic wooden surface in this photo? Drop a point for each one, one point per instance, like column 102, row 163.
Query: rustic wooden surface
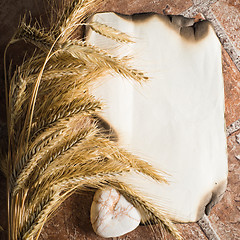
column 71, row 221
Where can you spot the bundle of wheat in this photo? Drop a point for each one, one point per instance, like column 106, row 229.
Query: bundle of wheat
column 55, row 142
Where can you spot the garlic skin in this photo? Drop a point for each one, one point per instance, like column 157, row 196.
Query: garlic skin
column 112, row 215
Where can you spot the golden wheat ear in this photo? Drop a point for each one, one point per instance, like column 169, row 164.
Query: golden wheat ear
column 92, row 55
column 55, row 145
column 110, row 32
column 75, row 14
column 34, row 35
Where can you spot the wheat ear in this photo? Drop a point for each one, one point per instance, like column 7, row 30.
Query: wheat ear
column 78, row 12
column 89, row 53
column 55, row 145
column 110, row 32
column 35, row 36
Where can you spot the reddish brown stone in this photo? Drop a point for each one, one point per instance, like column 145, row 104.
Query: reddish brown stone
column 173, row 7
column 71, row 221
column 191, row 231
column 232, row 89
column 225, row 216
column 227, row 13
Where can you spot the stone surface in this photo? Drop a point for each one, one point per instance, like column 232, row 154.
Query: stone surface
column 112, row 215
column 225, row 217
column 71, row 221
column 238, row 138
column 232, row 89
column 227, row 12
column 138, row 6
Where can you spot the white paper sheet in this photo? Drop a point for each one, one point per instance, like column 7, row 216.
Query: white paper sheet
column 176, row 120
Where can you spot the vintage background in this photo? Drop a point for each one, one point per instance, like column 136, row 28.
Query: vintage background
column 71, row 221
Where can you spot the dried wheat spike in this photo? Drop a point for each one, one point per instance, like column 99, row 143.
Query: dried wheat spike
column 110, row 32
column 55, row 145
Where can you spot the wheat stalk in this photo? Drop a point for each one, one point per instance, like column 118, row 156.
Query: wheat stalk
column 77, row 13
column 34, row 35
column 91, row 54
column 56, row 147
column 55, row 143
column 31, row 228
column 110, row 32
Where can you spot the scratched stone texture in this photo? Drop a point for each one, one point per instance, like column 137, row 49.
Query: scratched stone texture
column 227, row 12
column 71, row 221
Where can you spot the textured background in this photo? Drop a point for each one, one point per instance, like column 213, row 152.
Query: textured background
column 71, row 221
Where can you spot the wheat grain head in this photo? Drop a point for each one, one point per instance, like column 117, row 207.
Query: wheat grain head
column 54, row 144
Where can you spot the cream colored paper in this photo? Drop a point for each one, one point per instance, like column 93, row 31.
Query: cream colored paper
column 176, row 120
